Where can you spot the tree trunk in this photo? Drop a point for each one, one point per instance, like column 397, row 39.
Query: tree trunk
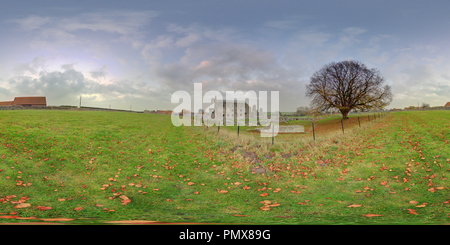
column 344, row 114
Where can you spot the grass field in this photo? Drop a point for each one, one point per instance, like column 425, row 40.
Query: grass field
column 91, row 167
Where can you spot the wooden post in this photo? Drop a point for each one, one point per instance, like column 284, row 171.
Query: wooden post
column 359, row 123
column 314, row 134
column 238, row 129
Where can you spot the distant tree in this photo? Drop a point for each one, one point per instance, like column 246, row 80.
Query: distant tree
column 348, row 85
column 302, row 111
column 425, row 105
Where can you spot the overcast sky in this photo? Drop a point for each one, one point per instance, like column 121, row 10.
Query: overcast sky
column 137, row 53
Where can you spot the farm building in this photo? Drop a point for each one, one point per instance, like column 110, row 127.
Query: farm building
column 447, row 105
column 164, row 112
column 26, row 101
column 231, row 109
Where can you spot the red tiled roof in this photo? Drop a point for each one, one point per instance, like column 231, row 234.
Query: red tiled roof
column 448, row 104
column 30, row 101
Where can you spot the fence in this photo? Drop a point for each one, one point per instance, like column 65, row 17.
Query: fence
column 342, row 125
column 331, row 126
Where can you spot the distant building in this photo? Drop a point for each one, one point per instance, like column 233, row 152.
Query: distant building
column 26, row 101
column 164, row 112
column 231, row 109
column 448, row 104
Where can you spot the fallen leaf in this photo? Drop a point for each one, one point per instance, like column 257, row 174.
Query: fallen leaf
column 354, row 206
column 240, row 215
column 9, row 217
column 222, row 191
column 125, row 200
column 274, row 205
column 57, row 219
column 191, row 183
column 383, row 182
column 264, row 194
column 42, row 208
column 372, row 215
column 78, row 209
column 26, row 218
column 413, row 202
column 22, row 205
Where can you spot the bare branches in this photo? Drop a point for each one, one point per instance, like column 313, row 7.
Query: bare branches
column 348, row 85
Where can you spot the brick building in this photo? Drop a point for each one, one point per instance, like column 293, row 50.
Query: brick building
column 26, row 101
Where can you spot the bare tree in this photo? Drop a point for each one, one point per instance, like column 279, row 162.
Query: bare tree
column 425, row 105
column 348, row 85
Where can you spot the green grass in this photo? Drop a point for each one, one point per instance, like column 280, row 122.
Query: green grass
column 93, row 158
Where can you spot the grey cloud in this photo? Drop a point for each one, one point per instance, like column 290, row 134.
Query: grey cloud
column 65, row 87
column 231, row 67
column 101, row 73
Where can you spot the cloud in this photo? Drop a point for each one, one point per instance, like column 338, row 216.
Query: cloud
column 230, row 67
column 64, row 86
column 32, row 22
column 101, row 73
column 124, row 26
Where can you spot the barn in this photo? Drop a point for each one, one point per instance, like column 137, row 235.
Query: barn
column 26, row 101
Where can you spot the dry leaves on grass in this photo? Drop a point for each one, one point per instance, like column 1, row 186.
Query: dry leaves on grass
column 125, row 200
column 267, row 205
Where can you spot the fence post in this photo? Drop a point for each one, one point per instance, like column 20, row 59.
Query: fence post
column 314, row 134
column 238, row 129
column 218, row 127
column 359, row 122
column 342, row 123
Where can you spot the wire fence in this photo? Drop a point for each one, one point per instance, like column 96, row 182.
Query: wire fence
column 324, row 127
column 341, row 125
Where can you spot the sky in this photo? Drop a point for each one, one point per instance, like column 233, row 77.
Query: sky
column 136, row 54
